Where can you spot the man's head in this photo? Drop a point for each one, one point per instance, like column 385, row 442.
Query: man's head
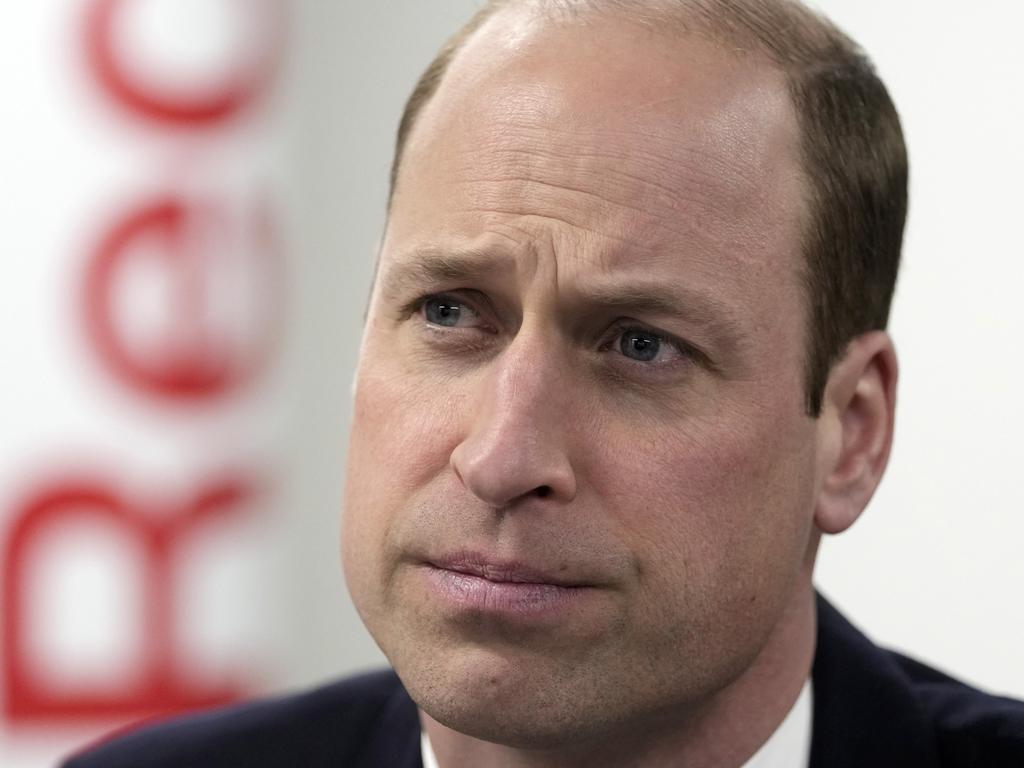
column 585, row 366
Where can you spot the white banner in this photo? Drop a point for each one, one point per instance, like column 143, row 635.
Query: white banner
column 145, row 265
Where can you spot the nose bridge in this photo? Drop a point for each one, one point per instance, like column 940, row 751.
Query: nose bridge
column 516, row 444
column 528, row 375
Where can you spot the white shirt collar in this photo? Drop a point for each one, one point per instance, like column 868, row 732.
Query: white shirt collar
column 788, row 747
column 429, row 758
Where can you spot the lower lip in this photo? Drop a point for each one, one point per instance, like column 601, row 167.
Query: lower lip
column 479, row 595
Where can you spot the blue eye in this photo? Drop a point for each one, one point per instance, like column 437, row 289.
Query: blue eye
column 640, row 346
column 442, row 311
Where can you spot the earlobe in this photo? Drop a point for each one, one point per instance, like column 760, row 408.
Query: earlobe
column 856, row 430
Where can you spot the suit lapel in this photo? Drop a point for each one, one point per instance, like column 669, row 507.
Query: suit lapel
column 865, row 713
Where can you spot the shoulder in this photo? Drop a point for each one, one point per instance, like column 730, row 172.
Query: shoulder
column 330, row 725
column 971, row 727
column 880, row 708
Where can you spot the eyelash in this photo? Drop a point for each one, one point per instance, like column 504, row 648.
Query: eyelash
column 687, row 352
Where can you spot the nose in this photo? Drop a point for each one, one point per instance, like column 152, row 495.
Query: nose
column 515, row 447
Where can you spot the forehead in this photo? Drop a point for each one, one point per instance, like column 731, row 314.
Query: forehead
column 631, row 149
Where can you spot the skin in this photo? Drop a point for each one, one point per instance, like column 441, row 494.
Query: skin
column 687, row 492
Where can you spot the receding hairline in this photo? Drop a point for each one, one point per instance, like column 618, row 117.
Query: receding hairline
column 742, row 28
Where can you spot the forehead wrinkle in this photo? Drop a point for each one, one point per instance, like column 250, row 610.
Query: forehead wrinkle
column 614, row 230
column 434, row 263
column 581, row 234
column 736, row 157
column 710, row 174
column 597, row 183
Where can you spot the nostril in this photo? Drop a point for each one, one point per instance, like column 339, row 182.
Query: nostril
column 544, row 491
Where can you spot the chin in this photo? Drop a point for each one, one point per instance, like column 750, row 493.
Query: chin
column 483, row 694
column 519, row 723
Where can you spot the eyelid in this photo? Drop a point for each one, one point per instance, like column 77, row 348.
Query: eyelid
column 628, row 326
column 416, row 306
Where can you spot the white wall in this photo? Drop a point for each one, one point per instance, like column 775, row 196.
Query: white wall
column 935, row 564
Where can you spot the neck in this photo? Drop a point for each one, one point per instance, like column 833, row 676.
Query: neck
column 723, row 732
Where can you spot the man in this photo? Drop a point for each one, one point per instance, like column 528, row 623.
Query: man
column 624, row 364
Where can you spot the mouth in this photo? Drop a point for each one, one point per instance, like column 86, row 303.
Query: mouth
column 503, row 571
column 502, row 589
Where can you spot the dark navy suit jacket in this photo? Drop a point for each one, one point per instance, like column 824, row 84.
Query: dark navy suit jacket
column 872, row 709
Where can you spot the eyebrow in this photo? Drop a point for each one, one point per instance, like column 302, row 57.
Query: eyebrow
column 643, row 297
column 697, row 309
column 435, row 265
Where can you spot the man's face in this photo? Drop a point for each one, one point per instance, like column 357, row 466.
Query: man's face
column 581, row 482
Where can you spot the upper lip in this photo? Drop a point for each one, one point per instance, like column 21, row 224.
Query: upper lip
column 498, row 570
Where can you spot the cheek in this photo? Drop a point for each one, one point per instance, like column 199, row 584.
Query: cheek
column 716, row 511
column 402, row 435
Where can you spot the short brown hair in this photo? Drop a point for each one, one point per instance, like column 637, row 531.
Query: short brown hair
column 852, row 151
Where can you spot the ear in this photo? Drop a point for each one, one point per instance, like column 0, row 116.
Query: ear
column 855, row 430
